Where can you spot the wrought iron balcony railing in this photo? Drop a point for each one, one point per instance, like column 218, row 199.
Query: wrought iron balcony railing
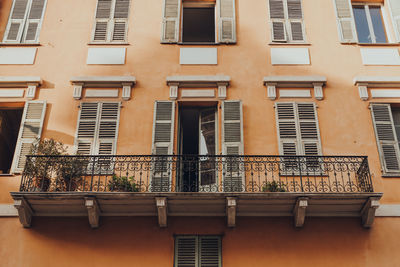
column 182, row 173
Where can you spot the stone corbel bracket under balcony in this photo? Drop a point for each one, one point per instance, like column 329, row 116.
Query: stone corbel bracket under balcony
column 19, row 85
column 274, row 83
column 221, row 82
column 380, row 85
column 109, row 86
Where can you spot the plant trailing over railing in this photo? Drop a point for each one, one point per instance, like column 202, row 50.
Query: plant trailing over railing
column 273, row 186
column 123, row 184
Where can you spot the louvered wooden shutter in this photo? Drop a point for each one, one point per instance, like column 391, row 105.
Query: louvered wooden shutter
column 87, row 128
column 210, row 251
column 30, row 131
column 227, row 21
column 287, row 130
column 103, row 21
column 34, row 21
column 232, row 144
column 395, row 11
column 16, row 22
column 345, row 21
column 386, row 138
column 186, row 251
column 108, row 128
column 120, row 27
column 163, row 136
column 295, row 20
column 170, row 25
column 278, row 22
column 309, row 130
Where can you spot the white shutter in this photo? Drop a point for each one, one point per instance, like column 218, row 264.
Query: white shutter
column 278, row 21
column 186, row 248
column 163, row 136
column 287, row 130
column 395, row 11
column 30, row 131
column 34, row 21
column 210, row 251
column 386, row 138
column 16, row 22
column 295, row 20
column 226, row 21
column 87, row 128
column 120, row 26
column 232, row 144
column 170, row 25
column 107, row 128
column 345, row 21
column 309, row 130
column 103, row 21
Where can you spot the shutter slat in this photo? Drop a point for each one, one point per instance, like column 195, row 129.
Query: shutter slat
column 37, row 8
column 119, row 32
column 276, row 9
column 227, row 21
column 346, row 26
column 19, row 9
column 294, row 9
column 103, row 9
column 297, row 31
column 121, row 9
column 31, row 31
column 278, row 31
column 101, row 30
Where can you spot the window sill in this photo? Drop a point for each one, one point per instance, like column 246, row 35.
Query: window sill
column 24, row 45
column 198, row 43
column 295, row 44
column 7, row 175
column 391, row 175
column 112, row 44
column 361, row 44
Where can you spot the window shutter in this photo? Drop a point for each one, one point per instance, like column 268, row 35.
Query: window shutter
column 210, row 251
column 345, row 21
column 287, row 133
column 34, row 21
column 232, row 144
column 388, row 146
column 295, row 15
column 108, row 129
column 30, row 131
column 170, row 26
column 277, row 16
column 309, row 130
column 395, row 10
column 87, row 128
column 227, row 21
column 103, row 21
column 186, row 248
column 16, row 22
column 163, row 136
column 121, row 14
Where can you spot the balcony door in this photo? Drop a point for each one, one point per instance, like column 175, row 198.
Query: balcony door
column 197, row 141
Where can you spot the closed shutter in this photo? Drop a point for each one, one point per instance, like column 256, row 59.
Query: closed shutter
column 186, row 248
column 232, row 145
column 395, row 11
column 227, row 21
column 30, row 131
column 295, row 20
column 286, row 20
column 309, row 131
column 278, row 22
column 108, row 128
column 198, row 251
column 34, row 21
column 345, row 21
column 386, row 138
column 16, row 22
column 287, row 130
column 209, row 251
column 170, row 25
column 87, row 128
column 163, row 136
column 111, row 21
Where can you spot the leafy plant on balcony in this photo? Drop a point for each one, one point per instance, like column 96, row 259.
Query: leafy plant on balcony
column 273, row 187
column 123, row 184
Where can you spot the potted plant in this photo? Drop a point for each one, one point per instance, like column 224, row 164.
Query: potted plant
column 273, row 187
column 123, row 184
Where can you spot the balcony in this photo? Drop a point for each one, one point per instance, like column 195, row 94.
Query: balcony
column 171, row 185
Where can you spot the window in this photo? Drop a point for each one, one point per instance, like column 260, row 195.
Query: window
column 386, row 119
column 286, row 18
column 199, row 21
column 25, row 21
column 97, row 128
column 369, row 24
column 198, row 251
column 111, row 22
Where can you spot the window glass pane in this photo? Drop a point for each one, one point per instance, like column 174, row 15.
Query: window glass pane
column 360, row 17
column 377, row 23
column 396, row 122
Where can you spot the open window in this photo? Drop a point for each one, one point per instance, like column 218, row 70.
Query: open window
column 198, row 24
column 369, row 23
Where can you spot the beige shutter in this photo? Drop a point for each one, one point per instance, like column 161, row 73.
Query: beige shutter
column 121, row 14
column 226, row 21
column 30, row 131
column 16, row 22
column 34, row 21
column 287, row 130
column 295, row 20
column 309, row 130
column 107, row 129
column 170, row 25
column 386, row 138
column 163, row 136
column 103, row 21
column 87, row 128
column 395, row 11
column 210, row 251
column 278, row 22
column 232, row 144
column 345, row 21
column 186, row 251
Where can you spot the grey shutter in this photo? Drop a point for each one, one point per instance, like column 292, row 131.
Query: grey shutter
column 16, row 22
column 395, row 11
column 163, row 136
column 170, row 25
column 226, row 21
column 345, row 21
column 30, row 131
column 232, row 144
column 210, row 251
column 87, row 128
column 278, row 22
column 107, row 128
column 287, row 130
column 309, row 130
column 34, row 21
column 121, row 14
column 386, row 138
column 186, row 251
column 103, row 21
column 295, row 20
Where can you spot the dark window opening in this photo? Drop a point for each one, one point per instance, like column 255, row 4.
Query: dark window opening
column 198, row 25
column 10, row 120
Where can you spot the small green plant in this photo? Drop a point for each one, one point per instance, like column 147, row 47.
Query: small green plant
column 123, row 184
column 273, row 187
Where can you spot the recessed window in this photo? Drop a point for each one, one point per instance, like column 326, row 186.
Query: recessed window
column 369, row 24
column 198, row 25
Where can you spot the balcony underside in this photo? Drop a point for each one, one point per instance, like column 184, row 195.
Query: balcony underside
column 230, row 205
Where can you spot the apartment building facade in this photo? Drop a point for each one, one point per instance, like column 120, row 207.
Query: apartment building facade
column 200, row 132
